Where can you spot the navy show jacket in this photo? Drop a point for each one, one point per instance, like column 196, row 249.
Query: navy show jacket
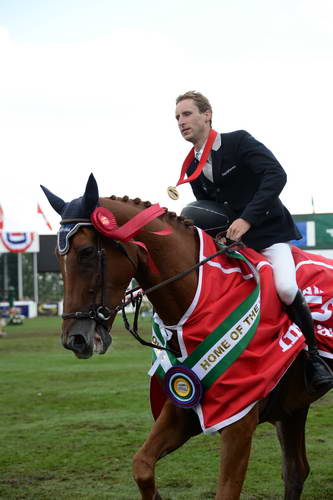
column 248, row 179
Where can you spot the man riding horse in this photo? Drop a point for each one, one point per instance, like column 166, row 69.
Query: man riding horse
column 237, row 175
column 211, row 309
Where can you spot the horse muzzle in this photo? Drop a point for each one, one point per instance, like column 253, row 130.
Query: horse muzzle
column 85, row 338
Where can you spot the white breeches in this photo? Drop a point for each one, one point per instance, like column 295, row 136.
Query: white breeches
column 284, row 273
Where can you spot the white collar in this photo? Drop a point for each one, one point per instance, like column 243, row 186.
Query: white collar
column 215, row 147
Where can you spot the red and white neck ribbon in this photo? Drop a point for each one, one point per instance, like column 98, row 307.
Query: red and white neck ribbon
column 105, row 222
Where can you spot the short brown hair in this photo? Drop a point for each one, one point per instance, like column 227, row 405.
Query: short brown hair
column 199, row 99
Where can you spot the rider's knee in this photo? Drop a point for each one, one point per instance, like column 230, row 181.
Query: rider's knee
column 287, row 292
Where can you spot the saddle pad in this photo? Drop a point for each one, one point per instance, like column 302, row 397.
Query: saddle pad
column 223, row 284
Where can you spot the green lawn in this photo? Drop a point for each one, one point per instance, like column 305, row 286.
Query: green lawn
column 69, row 427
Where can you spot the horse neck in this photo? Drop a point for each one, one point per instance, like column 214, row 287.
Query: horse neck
column 171, row 254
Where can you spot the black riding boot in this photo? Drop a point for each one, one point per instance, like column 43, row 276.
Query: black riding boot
column 318, row 375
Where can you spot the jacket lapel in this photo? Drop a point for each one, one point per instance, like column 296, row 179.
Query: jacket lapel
column 217, row 159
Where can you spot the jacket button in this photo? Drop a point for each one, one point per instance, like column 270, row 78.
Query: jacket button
column 268, row 212
column 218, row 190
column 226, row 203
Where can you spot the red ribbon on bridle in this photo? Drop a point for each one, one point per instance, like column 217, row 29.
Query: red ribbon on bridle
column 105, row 223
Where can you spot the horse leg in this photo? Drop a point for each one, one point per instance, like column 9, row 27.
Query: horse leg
column 172, row 429
column 291, row 433
column 236, row 442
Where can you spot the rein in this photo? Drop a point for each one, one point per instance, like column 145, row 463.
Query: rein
column 137, row 299
column 101, row 313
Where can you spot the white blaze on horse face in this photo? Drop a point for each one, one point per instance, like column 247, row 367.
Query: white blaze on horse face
column 65, row 264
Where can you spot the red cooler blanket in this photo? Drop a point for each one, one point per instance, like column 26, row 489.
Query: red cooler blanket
column 223, row 284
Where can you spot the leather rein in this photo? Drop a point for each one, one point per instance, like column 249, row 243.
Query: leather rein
column 102, row 313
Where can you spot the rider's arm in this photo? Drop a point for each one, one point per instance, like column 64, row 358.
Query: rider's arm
column 254, row 155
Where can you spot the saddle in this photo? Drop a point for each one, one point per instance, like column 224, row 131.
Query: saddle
column 210, row 216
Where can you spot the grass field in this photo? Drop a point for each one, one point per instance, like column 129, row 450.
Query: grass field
column 69, row 427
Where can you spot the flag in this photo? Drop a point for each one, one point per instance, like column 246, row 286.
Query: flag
column 40, row 211
column 1, row 218
column 308, row 232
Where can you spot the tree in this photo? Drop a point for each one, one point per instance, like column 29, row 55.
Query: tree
column 50, row 285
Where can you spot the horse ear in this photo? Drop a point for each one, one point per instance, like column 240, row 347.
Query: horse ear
column 90, row 197
column 57, row 203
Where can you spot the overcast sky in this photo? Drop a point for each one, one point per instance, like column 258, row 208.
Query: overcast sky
column 90, row 86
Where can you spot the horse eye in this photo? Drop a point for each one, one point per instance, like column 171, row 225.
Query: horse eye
column 87, row 252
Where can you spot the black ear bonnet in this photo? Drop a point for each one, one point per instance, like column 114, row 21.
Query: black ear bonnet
column 80, row 208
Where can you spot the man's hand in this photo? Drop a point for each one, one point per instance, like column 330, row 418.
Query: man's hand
column 237, row 229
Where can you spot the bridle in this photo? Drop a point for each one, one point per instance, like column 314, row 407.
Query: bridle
column 102, row 313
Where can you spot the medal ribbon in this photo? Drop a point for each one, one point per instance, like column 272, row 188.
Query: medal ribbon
column 190, row 157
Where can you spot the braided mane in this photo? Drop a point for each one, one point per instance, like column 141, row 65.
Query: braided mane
column 188, row 223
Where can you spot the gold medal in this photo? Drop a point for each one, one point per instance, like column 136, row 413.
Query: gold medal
column 173, row 192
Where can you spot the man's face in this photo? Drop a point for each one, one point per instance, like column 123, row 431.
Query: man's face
column 192, row 124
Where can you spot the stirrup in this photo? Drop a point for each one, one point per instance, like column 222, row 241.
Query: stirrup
column 318, row 379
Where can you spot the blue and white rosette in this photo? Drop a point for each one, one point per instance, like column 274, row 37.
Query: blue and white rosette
column 183, row 386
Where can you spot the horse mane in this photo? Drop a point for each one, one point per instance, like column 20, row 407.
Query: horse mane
column 172, row 216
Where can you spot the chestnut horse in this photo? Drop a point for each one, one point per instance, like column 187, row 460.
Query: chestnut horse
column 97, row 270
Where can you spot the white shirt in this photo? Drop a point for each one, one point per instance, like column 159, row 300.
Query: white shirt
column 208, row 168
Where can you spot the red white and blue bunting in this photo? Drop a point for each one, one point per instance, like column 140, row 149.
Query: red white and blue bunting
column 19, row 242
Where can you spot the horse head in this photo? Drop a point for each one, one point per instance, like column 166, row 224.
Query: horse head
column 102, row 244
column 92, row 289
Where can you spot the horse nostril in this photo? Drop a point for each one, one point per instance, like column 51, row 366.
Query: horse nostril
column 76, row 343
column 78, row 339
